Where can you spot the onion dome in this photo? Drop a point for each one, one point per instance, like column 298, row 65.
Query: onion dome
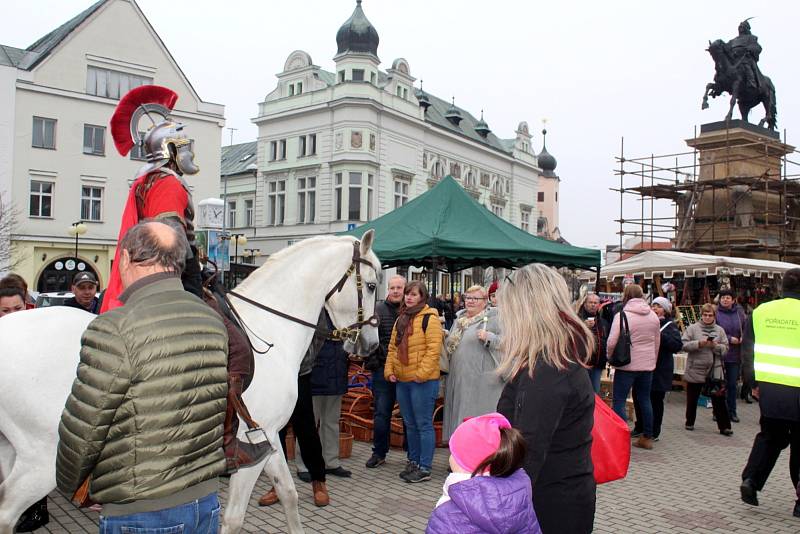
column 481, row 127
column 422, row 98
column 453, row 114
column 357, row 34
column 545, row 160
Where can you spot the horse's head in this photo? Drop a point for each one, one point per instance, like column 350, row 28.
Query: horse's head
column 716, row 49
column 351, row 305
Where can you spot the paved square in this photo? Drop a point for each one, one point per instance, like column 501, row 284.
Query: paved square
column 688, row 483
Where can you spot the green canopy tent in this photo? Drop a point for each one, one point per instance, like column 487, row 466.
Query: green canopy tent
column 447, row 228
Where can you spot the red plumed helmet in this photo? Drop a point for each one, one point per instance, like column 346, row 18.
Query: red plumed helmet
column 130, row 109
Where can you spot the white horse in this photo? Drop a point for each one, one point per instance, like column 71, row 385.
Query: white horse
column 40, row 351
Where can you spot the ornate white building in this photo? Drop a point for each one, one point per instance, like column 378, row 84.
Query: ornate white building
column 336, row 149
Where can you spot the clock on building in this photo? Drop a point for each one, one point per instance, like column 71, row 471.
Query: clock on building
column 210, row 213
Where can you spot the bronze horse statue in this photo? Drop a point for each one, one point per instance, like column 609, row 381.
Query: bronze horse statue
column 729, row 78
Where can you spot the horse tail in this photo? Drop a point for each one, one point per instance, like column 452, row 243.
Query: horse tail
column 773, row 106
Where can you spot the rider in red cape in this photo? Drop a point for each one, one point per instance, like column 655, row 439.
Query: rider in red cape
column 160, row 193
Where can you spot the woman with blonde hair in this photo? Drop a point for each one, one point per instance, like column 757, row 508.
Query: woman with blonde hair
column 549, row 396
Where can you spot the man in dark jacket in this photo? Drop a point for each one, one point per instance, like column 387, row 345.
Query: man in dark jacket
column 590, row 313
column 770, row 351
column 144, row 418
column 84, row 287
column 383, row 391
column 731, row 317
column 328, row 385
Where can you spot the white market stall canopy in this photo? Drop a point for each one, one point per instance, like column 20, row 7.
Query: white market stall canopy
column 670, row 263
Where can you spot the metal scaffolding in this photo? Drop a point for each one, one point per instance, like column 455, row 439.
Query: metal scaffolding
column 750, row 215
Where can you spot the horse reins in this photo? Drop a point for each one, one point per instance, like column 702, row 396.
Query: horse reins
column 338, row 334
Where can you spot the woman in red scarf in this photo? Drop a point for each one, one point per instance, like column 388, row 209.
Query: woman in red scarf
column 413, row 362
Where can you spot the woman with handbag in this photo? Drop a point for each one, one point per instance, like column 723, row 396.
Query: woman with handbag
column 705, row 342
column 731, row 317
column 637, row 327
column 549, row 396
column 471, row 355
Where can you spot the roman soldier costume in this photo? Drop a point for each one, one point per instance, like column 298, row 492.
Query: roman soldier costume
column 160, row 193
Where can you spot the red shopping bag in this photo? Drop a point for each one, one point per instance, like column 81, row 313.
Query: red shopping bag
column 611, row 444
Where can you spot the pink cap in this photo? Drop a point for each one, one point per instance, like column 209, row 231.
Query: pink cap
column 493, row 287
column 476, row 439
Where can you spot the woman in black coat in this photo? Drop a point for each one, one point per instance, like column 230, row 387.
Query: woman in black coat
column 671, row 343
column 549, row 397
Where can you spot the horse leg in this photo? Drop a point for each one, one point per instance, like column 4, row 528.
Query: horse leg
column 240, row 487
column 25, row 485
column 730, row 109
column 278, row 471
column 709, row 87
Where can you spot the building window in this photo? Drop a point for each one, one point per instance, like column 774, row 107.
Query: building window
column 337, row 194
column 372, row 78
column 94, row 140
column 370, row 195
column 91, row 203
column 306, row 199
column 41, row 202
column 273, row 150
column 291, row 89
column 400, row 193
column 44, row 133
column 497, row 210
column 354, row 197
column 112, row 83
column 248, row 211
column 312, row 145
column 358, row 75
column 276, row 202
column 485, row 179
column 341, row 76
column 301, row 146
column 556, row 196
column 469, row 181
column 231, row 214
column 540, row 196
column 540, row 225
column 282, row 149
column 525, row 220
column 299, row 88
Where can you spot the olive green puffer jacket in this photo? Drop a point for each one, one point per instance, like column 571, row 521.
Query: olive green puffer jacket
column 146, row 411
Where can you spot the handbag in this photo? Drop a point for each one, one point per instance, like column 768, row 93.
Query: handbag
column 714, row 387
column 611, row 444
column 622, row 351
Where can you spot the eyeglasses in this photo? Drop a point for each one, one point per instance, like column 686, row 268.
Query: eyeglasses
column 474, row 298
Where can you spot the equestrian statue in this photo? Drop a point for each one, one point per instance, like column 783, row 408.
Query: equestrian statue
column 737, row 73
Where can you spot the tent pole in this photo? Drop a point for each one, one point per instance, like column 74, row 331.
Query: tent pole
column 435, row 278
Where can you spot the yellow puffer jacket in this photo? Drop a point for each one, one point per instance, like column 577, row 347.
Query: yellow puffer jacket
column 423, row 350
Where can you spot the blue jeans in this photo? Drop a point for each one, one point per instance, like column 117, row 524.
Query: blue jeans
column 594, row 376
column 732, row 379
column 417, row 401
column 641, row 381
column 195, row 517
column 384, row 393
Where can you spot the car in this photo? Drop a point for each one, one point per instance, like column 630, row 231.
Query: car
column 52, row 299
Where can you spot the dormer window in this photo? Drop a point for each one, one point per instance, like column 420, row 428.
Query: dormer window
column 358, row 75
column 341, row 76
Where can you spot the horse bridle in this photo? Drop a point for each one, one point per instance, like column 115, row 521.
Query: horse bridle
column 349, row 333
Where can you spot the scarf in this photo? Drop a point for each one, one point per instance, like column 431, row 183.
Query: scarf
column 459, row 326
column 405, row 328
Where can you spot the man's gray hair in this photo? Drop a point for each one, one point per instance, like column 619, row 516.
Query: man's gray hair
column 146, row 248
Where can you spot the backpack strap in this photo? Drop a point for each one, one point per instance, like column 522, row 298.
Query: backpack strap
column 425, row 320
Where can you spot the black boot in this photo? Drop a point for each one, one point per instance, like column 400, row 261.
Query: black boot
column 34, row 517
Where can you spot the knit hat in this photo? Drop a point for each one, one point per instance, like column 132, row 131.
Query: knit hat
column 476, row 439
column 493, row 288
column 664, row 303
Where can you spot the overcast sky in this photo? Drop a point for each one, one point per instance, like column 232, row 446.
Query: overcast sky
column 597, row 71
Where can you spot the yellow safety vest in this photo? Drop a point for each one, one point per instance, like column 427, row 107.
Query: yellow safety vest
column 776, row 326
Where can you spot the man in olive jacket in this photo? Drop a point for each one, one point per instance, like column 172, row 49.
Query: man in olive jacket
column 145, row 416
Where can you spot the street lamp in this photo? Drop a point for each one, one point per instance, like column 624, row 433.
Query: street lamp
column 238, row 239
column 77, row 229
column 252, row 253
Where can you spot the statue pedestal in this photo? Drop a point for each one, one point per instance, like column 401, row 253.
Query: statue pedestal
column 737, row 207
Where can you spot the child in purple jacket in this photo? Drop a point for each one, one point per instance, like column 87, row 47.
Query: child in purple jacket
column 488, row 491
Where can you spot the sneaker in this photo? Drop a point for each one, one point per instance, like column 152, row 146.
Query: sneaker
column 375, row 461
column 735, row 418
column 410, row 468
column 689, row 427
column 418, row 475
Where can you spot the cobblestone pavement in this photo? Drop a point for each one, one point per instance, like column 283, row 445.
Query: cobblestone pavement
column 688, row 483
